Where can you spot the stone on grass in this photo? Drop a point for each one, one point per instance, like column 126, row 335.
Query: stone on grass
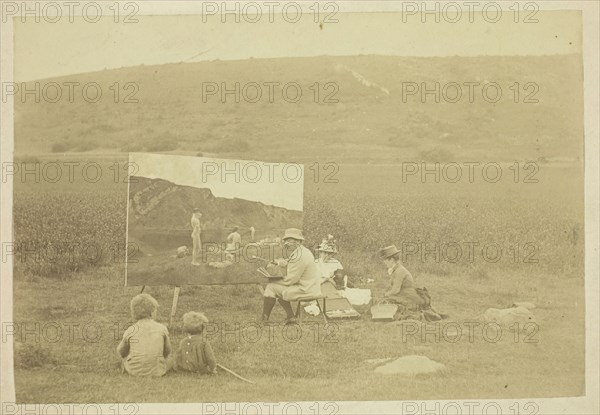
column 410, row 365
column 509, row 316
column 526, row 304
column 182, row 251
column 378, row 361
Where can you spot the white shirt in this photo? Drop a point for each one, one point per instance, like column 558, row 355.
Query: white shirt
column 234, row 238
column 326, row 269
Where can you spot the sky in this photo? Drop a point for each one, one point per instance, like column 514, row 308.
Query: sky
column 43, row 50
column 277, row 184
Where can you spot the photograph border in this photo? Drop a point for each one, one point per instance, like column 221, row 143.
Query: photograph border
column 586, row 404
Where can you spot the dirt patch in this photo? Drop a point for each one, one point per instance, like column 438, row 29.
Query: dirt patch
column 410, row 365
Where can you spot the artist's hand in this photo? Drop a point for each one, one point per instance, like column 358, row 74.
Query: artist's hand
column 330, row 279
column 281, row 262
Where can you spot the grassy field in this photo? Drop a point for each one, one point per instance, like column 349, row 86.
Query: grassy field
column 368, row 207
column 326, row 363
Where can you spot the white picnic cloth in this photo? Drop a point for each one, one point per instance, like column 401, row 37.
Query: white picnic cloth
column 357, row 296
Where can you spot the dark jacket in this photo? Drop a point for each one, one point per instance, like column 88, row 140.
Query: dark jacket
column 402, row 288
column 195, row 355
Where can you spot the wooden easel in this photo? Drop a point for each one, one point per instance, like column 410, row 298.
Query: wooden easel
column 174, row 306
column 176, row 299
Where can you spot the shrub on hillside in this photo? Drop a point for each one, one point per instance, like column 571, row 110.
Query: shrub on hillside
column 162, row 145
column 61, row 147
column 436, row 155
column 165, row 141
column 132, row 147
column 86, row 145
column 230, row 144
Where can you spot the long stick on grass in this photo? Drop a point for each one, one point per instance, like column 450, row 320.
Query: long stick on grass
column 234, row 374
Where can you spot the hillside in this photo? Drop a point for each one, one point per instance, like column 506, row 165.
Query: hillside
column 371, row 121
column 159, row 210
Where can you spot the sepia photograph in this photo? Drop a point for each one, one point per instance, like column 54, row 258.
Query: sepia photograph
column 310, row 207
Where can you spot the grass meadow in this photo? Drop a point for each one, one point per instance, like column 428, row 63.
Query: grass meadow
column 538, row 226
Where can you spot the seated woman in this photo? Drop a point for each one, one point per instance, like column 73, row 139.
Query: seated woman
column 327, row 265
column 331, row 277
column 402, row 289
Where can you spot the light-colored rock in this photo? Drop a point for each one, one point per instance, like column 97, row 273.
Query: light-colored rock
column 218, row 264
column 410, row 365
column 182, row 251
column 509, row 316
column 526, row 304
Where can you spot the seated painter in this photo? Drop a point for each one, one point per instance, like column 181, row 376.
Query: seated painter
column 327, row 264
column 415, row 303
column 301, row 279
column 341, row 296
column 402, row 289
column 330, row 268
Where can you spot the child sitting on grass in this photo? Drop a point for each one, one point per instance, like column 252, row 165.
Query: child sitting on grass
column 145, row 345
column 195, row 353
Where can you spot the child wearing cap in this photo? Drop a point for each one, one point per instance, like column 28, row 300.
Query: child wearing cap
column 145, row 345
column 195, row 353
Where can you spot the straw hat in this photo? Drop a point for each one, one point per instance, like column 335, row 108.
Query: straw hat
column 293, row 233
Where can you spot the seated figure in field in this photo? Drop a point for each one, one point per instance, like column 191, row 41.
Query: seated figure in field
column 402, row 290
column 334, row 282
column 327, row 264
column 195, row 353
column 145, row 346
column 300, row 281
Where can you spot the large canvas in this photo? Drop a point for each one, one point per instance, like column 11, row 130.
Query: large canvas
column 198, row 220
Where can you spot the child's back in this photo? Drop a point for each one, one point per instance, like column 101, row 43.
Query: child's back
column 146, row 339
column 196, row 355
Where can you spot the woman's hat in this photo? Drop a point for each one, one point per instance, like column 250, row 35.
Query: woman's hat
column 293, row 233
column 388, row 251
column 327, row 247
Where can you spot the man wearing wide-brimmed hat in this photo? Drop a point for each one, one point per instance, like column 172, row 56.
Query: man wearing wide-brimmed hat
column 402, row 288
column 301, row 279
